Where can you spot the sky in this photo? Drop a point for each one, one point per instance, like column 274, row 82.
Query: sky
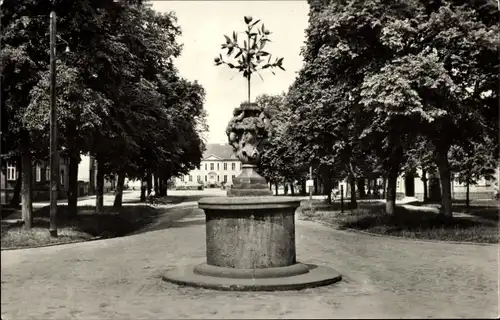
column 203, row 25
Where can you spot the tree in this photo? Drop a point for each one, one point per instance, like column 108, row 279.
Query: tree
column 277, row 163
column 21, row 59
column 441, row 83
column 474, row 160
column 79, row 116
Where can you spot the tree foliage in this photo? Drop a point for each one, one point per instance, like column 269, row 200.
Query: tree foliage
column 389, row 86
column 119, row 96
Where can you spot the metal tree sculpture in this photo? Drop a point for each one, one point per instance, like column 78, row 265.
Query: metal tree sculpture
column 250, row 57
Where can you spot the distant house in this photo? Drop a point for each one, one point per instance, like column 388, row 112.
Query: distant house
column 41, row 179
column 219, row 166
column 109, row 182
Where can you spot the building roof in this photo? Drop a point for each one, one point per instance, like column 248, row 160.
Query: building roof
column 222, row 151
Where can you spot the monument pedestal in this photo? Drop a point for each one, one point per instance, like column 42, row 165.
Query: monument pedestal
column 250, row 234
column 251, row 247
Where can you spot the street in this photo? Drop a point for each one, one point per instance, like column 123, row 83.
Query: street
column 120, row 278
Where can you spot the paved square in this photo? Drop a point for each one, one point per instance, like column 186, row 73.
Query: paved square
column 120, row 279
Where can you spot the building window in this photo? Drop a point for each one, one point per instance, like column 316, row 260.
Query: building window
column 218, row 179
column 217, row 166
column 211, row 166
column 205, row 178
column 11, row 171
column 225, row 166
column 206, row 167
column 38, row 173
column 199, row 179
column 225, row 178
column 62, row 177
column 233, row 176
column 190, row 178
column 241, row 165
column 233, row 166
column 182, row 178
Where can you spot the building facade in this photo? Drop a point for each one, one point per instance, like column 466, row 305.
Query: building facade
column 219, row 166
column 41, row 179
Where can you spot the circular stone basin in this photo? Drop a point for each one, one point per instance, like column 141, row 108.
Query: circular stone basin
column 251, row 247
column 250, row 232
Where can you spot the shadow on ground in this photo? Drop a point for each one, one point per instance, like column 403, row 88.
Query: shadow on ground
column 420, row 224
column 487, row 209
column 337, row 205
column 171, row 218
column 173, row 199
column 112, row 222
column 196, row 218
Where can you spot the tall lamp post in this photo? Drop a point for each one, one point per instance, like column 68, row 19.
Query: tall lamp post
column 54, row 159
column 54, row 155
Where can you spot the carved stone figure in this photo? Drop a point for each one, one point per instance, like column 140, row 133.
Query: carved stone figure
column 247, row 131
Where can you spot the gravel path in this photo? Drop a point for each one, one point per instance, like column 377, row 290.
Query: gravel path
column 120, row 279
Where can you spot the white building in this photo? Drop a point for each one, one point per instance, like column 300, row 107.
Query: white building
column 219, row 166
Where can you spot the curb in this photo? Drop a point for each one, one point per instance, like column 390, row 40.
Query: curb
column 349, row 230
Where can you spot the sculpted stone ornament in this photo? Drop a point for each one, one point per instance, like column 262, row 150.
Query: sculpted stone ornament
column 247, row 132
column 250, row 235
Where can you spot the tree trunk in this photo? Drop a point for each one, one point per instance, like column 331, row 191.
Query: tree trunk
column 384, row 187
column 16, row 197
column 285, row 188
column 444, row 177
column 163, row 188
column 149, row 181
column 434, row 186
column 361, row 188
column 467, row 199
column 292, row 189
column 157, row 183
column 352, row 183
column 328, row 188
column 369, row 187
column 119, row 190
column 276, row 188
column 424, row 181
column 392, row 181
column 143, row 189
column 270, row 186
column 74, row 161
column 27, row 181
column 303, row 186
column 99, row 198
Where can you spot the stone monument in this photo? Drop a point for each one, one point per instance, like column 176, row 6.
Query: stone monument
column 250, row 235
